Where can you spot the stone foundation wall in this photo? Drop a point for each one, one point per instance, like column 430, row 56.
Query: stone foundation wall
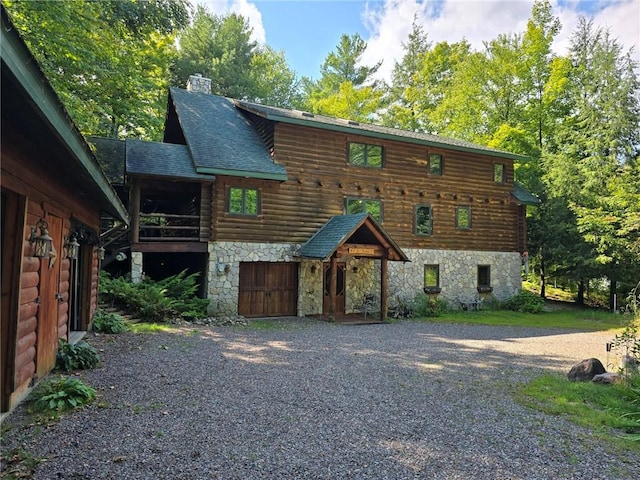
column 458, row 275
column 224, row 270
column 137, row 274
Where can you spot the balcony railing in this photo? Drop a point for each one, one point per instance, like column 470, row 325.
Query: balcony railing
column 166, row 227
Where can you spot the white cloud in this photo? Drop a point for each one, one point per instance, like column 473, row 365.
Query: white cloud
column 242, row 7
column 480, row 21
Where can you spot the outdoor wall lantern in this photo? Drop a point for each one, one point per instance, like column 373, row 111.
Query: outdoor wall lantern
column 41, row 243
column 313, row 269
column 72, row 247
column 101, row 253
column 222, row 267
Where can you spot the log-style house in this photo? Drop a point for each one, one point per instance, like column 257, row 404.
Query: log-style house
column 53, row 196
column 289, row 213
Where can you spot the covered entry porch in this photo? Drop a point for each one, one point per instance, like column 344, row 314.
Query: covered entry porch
column 339, row 244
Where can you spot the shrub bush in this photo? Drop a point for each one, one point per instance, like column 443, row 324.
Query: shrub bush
column 524, row 302
column 425, row 306
column 109, row 322
column 80, row 356
column 60, row 394
column 155, row 301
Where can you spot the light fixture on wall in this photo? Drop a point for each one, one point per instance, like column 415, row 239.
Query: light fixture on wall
column 313, row 269
column 222, row 267
column 41, row 243
column 72, row 246
column 101, row 253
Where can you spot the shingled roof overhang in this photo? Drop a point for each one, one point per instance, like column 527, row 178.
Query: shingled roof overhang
column 306, row 119
column 220, row 139
column 156, row 159
column 28, row 95
column 360, row 228
column 523, row 196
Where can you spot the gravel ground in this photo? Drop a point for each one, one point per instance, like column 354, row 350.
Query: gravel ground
column 313, row 400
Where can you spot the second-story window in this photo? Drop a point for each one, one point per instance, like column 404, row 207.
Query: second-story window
column 365, row 155
column 243, row 201
column 499, row 175
column 423, row 219
column 364, row 205
column 435, row 164
column 463, row 218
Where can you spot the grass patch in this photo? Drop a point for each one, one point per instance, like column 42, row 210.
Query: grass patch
column 144, row 327
column 608, row 410
column 588, row 320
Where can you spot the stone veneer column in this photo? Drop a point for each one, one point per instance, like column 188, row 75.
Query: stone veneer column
column 136, row 267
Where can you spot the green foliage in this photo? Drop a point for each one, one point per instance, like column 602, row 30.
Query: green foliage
column 109, row 322
column 627, row 343
column 155, row 301
column 80, row 356
column 524, row 302
column 60, row 395
column 426, row 306
column 596, row 406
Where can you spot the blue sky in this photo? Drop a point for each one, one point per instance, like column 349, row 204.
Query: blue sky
column 308, row 30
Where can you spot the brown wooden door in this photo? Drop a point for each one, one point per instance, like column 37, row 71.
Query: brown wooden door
column 47, row 343
column 340, row 289
column 268, row 289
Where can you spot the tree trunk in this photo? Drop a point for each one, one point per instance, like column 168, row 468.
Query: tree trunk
column 613, row 286
column 543, row 284
column 580, row 299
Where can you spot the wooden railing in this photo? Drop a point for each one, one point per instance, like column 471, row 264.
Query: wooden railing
column 159, row 227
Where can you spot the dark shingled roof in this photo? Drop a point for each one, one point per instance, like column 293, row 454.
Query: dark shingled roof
column 161, row 160
column 336, row 232
column 220, row 139
column 523, row 196
column 110, row 153
column 375, row 131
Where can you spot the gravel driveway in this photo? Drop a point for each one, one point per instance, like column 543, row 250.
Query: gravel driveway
column 316, row 400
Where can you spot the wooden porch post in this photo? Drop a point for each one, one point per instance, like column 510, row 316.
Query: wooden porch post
column 383, row 289
column 134, row 211
column 333, row 287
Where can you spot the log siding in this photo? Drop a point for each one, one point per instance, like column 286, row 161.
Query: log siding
column 320, row 179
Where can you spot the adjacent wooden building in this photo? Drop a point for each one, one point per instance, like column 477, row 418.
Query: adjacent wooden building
column 53, row 196
column 261, row 189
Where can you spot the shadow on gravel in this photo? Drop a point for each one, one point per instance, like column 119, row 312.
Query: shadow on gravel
column 307, row 399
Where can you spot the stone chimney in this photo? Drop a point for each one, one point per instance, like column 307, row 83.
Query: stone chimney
column 198, row 83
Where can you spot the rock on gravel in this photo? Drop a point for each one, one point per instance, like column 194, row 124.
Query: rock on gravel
column 313, row 400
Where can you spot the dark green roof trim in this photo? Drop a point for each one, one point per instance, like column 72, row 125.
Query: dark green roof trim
column 337, row 231
column 369, row 130
column 242, row 173
column 523, row 195
column 24, row 67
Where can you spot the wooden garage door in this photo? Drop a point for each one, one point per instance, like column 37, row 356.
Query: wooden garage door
column 268, row 289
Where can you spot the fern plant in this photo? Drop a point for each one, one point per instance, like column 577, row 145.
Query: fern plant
column 109, row 322
column 80, row 356
column 60, row 395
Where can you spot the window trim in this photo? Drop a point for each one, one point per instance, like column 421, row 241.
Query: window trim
column 468, row 209
column 244, row 197
column 503, row 180
column 366, row 155
column 440, row 173
column 347, row 200
column 415, row 220
column 483, row 288
column 431, row 288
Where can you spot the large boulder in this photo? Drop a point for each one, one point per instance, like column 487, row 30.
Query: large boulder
column 586, row 370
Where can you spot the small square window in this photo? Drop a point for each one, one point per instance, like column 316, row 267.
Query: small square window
column 423, row 219
column 365, row 155
column 432, row 275
column 364, row 205
column 463, row 218
column 435, row 164
column 244, row 201
column 484, row 278
column 499, row 173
